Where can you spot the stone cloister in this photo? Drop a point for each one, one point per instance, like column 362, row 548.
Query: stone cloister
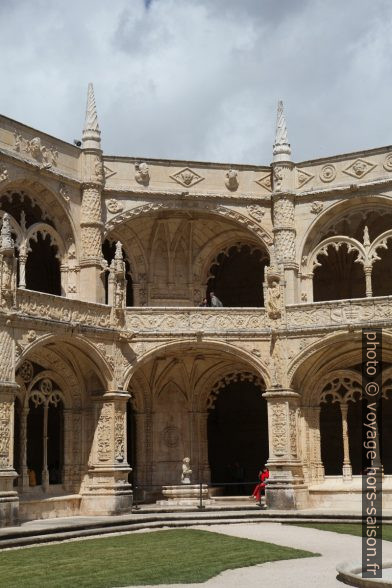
column 110, row 371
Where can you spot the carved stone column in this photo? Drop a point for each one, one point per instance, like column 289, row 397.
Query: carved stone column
column 9, row 500
column 347, row 469
column 285, row 488
column 108, row 490
column 317, row 467
column 285, row 235
column 91, row 270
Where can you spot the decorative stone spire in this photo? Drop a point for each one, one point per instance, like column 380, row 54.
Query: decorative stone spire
column 6, row 241
column 91, row 133
column 282, row 149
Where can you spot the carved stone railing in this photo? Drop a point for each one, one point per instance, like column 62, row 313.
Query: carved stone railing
column 62, row 309
column 183, row 320
column 206, row 320
column 340, row 312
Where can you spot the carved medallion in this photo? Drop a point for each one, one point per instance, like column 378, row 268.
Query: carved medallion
column 388, row 162
column 171, row 436
column 26, row 371
column 328, row 173
column 114, row 206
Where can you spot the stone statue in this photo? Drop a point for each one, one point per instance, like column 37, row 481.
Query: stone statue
column 142, row 175
column 232, row 179
column 274, row 303
column 186, row 471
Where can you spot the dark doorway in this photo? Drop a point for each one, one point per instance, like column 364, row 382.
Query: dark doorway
column 35, row 440
column 55, row 443
column 42, row 267
column 238, row 437
column 238, row 277
column 331, row 437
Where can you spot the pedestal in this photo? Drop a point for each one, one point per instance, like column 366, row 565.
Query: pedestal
column 184, row 495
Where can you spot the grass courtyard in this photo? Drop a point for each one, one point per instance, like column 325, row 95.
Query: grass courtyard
column 161, row 557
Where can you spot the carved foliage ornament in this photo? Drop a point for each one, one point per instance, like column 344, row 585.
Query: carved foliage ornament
column 5, row 432
column 316, row 207
column 279, row 428
column 104, row 429
column 187, row 177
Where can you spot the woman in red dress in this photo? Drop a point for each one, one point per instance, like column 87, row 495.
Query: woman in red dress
column 260, row 488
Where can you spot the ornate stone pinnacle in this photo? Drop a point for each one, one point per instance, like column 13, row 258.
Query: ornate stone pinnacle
column 282, row 149
column 6, row 241
column 91, row 133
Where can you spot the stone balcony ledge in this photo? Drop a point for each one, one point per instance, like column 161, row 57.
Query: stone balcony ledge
column 152, row 321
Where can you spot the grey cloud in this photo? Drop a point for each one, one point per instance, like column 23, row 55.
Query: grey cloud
column 200, row 80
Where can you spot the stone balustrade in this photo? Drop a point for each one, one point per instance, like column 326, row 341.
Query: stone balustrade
column 180, row 320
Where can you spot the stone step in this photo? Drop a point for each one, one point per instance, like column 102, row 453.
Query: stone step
column 50, row 530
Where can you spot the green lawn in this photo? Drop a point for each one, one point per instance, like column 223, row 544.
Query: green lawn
column 348, row 528
column 161, row 557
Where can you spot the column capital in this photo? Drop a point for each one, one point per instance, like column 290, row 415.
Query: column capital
column 280, row 394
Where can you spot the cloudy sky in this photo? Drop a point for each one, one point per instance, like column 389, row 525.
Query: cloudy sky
column 200, row 79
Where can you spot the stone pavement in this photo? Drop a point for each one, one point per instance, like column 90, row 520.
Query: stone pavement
column 299, row 573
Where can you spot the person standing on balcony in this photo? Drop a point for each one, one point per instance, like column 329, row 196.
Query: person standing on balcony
column 215, row 302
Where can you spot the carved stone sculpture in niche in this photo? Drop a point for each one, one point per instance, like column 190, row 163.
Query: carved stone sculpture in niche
column 46, row 156
column 328, row 173
column 3, row 173
column 232, row 179
column 142, row 174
